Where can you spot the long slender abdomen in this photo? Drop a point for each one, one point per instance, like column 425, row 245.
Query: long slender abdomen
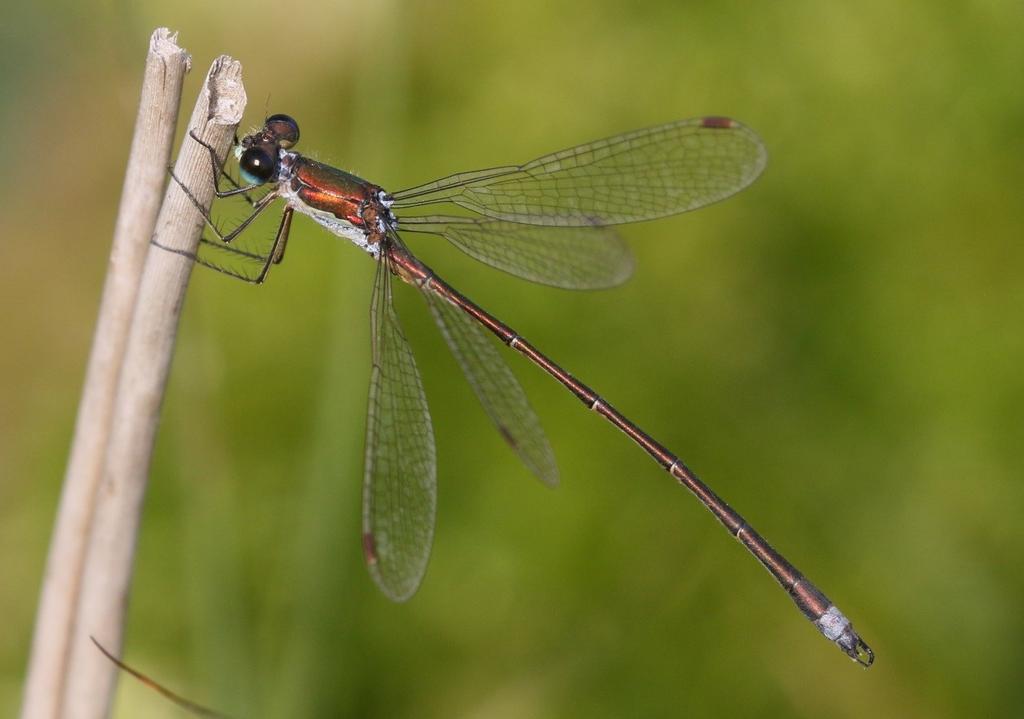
column 811, row 601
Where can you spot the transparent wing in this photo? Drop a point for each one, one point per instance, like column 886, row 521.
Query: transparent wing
column 400, row 482
column 639, row 175
column 579, row 258
column 496, row 387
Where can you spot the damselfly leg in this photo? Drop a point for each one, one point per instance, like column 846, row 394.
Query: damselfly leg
column 218, row 171
column 238, row 262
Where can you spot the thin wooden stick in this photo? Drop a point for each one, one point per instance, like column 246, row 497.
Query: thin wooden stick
column 145, row 177
column 108, row 569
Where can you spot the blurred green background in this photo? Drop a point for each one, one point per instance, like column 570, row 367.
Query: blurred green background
column 837, row 351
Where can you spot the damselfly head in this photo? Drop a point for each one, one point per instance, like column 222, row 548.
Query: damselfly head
column 259, row 152
column 283, row 129
column 257, row 160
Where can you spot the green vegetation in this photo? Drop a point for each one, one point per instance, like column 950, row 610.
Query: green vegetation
column 838, row 351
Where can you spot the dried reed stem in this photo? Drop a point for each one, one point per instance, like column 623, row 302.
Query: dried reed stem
column 166, row 65
column 108, row 569
column 85, row 679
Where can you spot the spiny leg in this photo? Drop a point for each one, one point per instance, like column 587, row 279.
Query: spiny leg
column 229, row 250
column 244, row 192
column 217, row 171
column 258, row 208
column 284, row 229
column 234, row 183
column 276, row 254
column 274, row 257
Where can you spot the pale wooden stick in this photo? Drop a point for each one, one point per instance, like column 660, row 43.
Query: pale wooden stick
column 166, row 65
column 106, row 581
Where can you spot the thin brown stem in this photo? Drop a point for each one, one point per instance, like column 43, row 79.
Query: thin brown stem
column 186, row 704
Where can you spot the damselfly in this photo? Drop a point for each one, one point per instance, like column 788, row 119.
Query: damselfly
column 550, row 221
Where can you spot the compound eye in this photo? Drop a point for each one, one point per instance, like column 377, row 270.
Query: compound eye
column 284, row 129
column 257, row 165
